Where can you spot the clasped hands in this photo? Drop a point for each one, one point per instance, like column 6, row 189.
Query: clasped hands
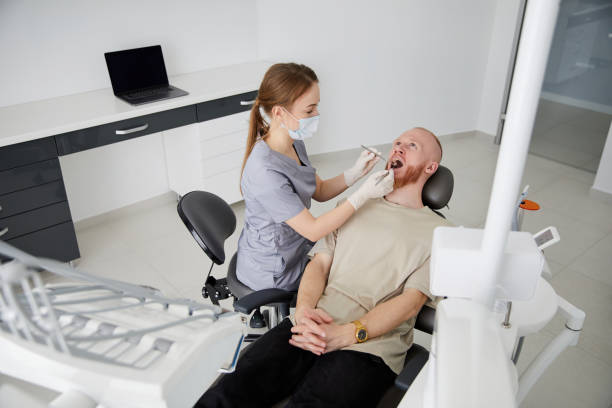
column 315, row 331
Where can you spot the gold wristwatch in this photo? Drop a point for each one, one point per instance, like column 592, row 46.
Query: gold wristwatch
column 361, row 333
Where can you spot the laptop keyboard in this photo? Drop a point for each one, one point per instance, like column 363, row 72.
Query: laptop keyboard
column 148, row 92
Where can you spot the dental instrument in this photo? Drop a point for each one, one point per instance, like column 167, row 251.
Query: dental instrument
column 372, row 151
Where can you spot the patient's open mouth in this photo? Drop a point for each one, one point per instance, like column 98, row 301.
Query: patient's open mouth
column 396, row 164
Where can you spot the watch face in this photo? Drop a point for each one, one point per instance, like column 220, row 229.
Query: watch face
column 362, row 335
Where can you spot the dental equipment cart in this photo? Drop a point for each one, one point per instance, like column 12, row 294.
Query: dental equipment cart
column 100, row 342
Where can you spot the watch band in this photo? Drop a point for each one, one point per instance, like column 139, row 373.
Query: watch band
column 361, row 333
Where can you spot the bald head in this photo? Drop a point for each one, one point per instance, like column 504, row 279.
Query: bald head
column 431, row 143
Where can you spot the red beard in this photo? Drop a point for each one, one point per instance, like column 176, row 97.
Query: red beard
column 410, row 176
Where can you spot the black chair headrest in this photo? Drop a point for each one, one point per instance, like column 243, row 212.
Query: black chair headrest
column 438, row 190
column 209, row 219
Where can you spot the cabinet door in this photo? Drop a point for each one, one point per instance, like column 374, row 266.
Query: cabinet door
column 207, row 156
column 222, row 147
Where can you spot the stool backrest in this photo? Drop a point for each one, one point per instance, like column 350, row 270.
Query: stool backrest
column 209, row 219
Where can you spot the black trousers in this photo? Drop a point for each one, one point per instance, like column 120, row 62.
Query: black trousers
column 271, row 370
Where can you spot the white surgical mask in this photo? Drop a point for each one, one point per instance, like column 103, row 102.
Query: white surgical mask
column 307, row 127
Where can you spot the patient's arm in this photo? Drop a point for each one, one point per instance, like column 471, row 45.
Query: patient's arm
column 378, row 321
column 306, row 315
column 390, row 314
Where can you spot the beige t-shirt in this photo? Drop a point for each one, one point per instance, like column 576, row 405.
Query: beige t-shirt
column 381, row 251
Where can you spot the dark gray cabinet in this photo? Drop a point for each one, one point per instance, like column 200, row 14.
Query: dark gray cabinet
column 96, row 136
column 225, row 106
column 34, row 212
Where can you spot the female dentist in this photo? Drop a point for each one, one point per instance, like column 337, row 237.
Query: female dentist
column 278, row 182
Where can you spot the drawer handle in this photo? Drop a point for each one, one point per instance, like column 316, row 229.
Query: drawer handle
column 132, row 130
column 4, row 231
column 247, row 103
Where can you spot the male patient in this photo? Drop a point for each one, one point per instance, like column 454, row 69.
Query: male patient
column 356, row 304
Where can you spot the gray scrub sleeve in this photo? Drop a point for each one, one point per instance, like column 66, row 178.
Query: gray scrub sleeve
column 276, row 195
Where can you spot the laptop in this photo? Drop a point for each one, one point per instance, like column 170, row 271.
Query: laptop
column 139, row 75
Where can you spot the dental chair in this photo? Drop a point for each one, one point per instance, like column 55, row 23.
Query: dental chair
column 211, row 221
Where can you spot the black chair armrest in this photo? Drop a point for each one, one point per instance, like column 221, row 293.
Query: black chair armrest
column 416, row 357
column 425, row 320
column 263, row 297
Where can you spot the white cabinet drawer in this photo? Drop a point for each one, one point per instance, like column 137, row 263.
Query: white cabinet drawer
column 222, row 126
column 223, row 144
column 222, row 163
column 226, row 185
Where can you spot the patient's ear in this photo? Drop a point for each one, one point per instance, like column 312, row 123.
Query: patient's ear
column 431, row 168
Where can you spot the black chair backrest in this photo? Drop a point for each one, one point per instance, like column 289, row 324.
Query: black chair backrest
column 210, row 220
column 438, row 190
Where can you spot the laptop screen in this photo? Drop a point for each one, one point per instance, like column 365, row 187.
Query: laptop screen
column 137, row 68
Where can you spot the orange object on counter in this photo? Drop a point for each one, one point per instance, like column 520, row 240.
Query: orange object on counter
column 529, row 205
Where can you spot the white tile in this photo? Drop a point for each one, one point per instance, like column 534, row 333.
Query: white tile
column 177, row 258
column 587, row 177
column 555, row 267
column 549, row 148
column 149, row 224
column 99, row 242
column 574, row 379
column 461, row 153
column 558, row 112
column 571, row 197
column 576, row 237
column 596, row 262
column 481, row 171
column 595, row 299
column 577, row 138
column 469, row 202
column 596, row 121
column 539, row 172
column 132, row 269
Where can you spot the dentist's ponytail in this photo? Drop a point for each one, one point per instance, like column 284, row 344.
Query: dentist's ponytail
column 282, row 85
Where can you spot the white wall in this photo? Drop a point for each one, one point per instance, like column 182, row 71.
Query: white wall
column 53, row 48
column 603, row 179
column 498, row 63
column 384, row 66
column 57, row 48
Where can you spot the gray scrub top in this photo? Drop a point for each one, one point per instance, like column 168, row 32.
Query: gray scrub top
column 275, row 188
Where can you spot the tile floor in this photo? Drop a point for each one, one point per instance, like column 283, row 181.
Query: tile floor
column 151, row 246
column 569, row 134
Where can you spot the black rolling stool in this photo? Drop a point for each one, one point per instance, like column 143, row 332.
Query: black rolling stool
column 210, row 220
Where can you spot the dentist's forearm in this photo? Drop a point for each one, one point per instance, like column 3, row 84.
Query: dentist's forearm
column 316, row 228
column 330, row 188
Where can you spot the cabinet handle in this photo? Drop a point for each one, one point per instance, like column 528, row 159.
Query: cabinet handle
column 247, row 103
column 132, row 130
column 4, row 231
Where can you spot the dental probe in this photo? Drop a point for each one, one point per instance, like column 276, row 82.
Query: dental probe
column 379, row 155
column 372, row 151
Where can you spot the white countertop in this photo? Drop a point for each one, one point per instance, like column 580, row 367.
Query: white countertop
column 34, row 120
